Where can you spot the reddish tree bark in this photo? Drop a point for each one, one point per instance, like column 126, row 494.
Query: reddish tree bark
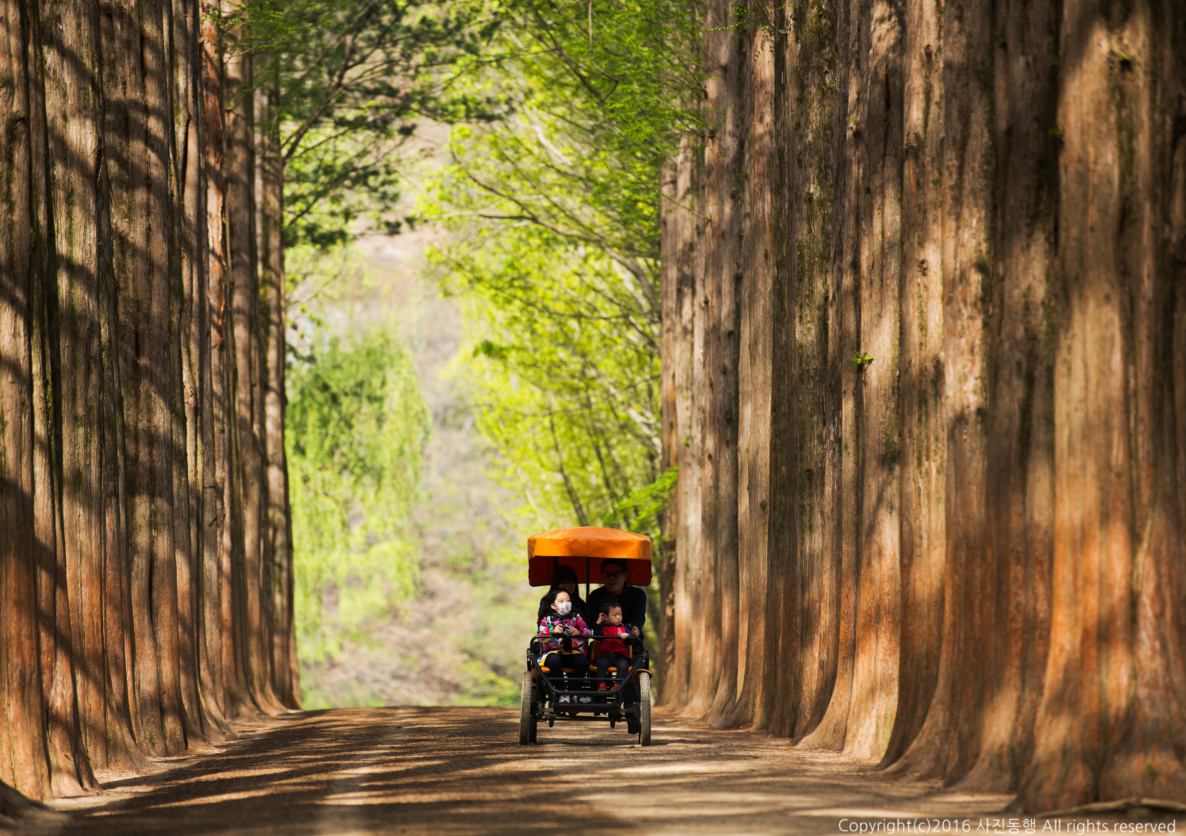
column 802, row 396
column 683, row 272
column 282, row 634
column 144, row 238
column 242, row 246
column 844, row 442
column 117, row 619
column 669, row 429
column 191, row 366
column 757, row 642
column 90, row 422
column 971, row 445
column 224, row 567
column 1111, row 721
column 922, row 521
column 23, row 761
column 722, row 155
column 1020, row 455
column 69, row 770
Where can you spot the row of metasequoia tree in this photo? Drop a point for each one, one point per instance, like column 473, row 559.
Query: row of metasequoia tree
column 145, row 554
column 924, row 347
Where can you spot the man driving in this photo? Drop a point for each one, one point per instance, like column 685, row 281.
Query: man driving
column 632, row 599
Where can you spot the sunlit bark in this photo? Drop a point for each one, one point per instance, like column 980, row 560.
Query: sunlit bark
column 113, row 582
column 721, row 244
column 278, row 534
column 22, row 743
column 959, row 395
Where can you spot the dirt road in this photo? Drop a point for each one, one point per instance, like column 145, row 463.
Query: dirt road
column 446, row 771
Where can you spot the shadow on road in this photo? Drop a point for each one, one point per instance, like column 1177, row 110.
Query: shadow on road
column 461, row 771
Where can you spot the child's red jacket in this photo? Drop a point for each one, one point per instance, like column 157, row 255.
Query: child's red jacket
column 613, row 645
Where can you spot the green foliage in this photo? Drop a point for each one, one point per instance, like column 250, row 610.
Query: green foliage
column 356, row 431
column 598, row 97
column 352, row 79
column 555, row 211
column 565, row 372
column 757, row 15
column 564, row 115
column 640, row 511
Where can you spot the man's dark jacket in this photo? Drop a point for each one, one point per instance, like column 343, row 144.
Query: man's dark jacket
column 633, row 600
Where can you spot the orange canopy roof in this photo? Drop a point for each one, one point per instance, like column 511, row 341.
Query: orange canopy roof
column 583, row 549
column 590, row 541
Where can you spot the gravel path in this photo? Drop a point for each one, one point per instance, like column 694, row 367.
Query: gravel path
column 445, row 771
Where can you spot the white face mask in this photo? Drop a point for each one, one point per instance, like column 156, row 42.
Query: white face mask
column 564, row 607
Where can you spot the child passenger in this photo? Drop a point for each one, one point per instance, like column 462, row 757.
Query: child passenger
column 569, row 650
column 613, row 651
column 565, row 578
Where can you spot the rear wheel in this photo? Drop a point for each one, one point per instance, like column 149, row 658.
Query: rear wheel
column 644, row 709
column 527, row 723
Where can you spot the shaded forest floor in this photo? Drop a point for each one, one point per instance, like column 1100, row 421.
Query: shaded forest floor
column 452, row 771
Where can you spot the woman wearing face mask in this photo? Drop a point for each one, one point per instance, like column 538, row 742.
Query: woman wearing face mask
column 566, row 649
column 564, row 578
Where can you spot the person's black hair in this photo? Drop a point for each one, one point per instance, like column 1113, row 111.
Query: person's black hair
column 550, row 597
column 608, row 603
column 621, row 564
column 564, row 574
column 545, row 603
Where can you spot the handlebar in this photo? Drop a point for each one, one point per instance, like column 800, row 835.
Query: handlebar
column 585, row 637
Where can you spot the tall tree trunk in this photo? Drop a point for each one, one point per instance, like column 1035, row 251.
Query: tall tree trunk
column 208, row 344
column 669, row 433
column 923, row 437
column 142, row 209
column 1020, row 498
column 948, row 741
column 686, row 281
column 843, row 439
column 23, row 762
column 224, row 564
column 699, row 582
column 92, row 500
column 801, row 402
column 240, row 170
column 190, row 352
column 91, row 419
column 757, row 657
column 722, row 267
column 285, row 681
column 69, row 770
column 877, row 138
column 782, row 552
column 1111, row 722
column 263, row 73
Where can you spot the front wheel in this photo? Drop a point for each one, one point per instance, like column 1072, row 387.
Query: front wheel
column 527, row 723
column 644, row 709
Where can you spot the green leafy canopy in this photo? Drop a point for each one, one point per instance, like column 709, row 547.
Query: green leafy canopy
column 356, row 432
column 555, row 212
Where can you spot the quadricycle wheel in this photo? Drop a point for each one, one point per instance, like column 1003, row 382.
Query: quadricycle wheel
column 528, row 725
column 644, row 708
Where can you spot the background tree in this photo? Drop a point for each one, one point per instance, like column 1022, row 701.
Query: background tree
column 357, row 428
